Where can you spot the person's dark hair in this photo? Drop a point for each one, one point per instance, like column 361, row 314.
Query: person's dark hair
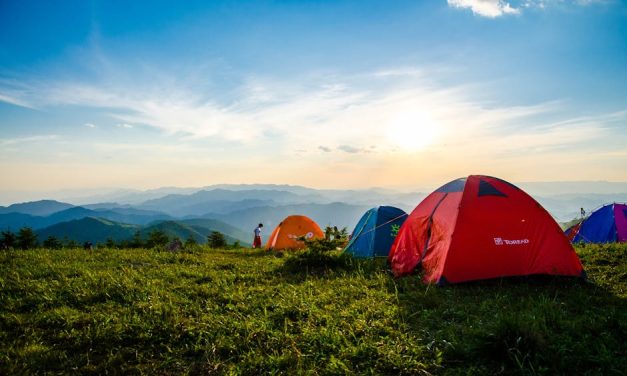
column 261, row 225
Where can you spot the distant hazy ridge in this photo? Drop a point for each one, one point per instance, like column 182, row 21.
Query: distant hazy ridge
column 235, row 209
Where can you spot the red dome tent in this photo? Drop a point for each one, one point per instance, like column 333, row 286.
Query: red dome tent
column 481, row 227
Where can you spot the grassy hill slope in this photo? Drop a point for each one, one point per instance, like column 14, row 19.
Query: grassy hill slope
column 98, row 230
column 15, row 221
column 243, row 312
column 205, row 225
column 185, row 229
column 89, row 229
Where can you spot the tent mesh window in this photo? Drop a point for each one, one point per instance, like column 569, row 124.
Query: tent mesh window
column 454, row 186
column 487, row 189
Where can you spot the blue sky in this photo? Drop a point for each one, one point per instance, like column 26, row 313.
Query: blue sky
column 319, row 93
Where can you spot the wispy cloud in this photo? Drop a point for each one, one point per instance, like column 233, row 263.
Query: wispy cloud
column 590, row 2
column 16, row 101
column 16, row 92
column 352, row 150
column 90, row 125
column 399, row 108
column 402, row 72
column 26, row 140
column 545, row 3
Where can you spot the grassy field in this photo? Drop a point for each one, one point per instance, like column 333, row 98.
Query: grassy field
column 245, row 312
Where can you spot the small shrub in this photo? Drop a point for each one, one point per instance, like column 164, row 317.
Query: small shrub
column 216, row 240
column 52, row 243
column 333, row 240
column 110, row 243
column 8, row 239
column 26, row 238
column 190, row 242
column 317, row 262
column 157, row 238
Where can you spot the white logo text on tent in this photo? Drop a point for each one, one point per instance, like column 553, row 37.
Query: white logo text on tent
column 501, row 241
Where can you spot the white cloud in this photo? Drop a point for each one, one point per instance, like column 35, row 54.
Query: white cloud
column 327, row 126
column 25, row 140
column 546, row 4
column 90, row 125
column 15, row 92
column 7, row 98
column 351, row 149
column 403, row 72
column 272, row 117
column 485, row 8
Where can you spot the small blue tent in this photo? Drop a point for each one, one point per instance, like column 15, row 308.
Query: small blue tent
column 375, row 232
column 607, row 224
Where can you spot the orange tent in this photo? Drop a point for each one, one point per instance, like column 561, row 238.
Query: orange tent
column 286, row 234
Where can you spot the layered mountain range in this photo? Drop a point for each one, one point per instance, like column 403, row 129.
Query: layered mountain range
column 234, row 210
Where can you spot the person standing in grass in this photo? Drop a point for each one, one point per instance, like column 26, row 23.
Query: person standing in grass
column 257, row 240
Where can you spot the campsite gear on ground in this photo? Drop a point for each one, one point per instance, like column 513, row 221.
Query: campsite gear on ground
column 291, row 232
column 481, row 227
column 375, row 232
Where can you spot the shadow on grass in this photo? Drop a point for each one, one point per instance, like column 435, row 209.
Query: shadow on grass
column 243, row 252
column 303, row 265
column 531, row 325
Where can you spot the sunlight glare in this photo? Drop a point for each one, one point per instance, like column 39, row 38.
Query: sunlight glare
column 412, row 131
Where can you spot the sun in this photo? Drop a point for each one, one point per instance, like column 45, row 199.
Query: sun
column 412, row 131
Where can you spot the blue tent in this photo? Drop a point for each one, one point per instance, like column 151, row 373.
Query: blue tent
column 375, row 232
column 607, row 224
